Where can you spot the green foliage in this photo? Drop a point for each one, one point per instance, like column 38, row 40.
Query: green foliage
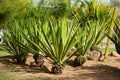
column 113, row 13
column 93, row 11
column 96, row 20
column 116, row 35
column 86, row 40
column 55, row 8
column 63, row 38
column 59, row 10
column 12, row 37
column 53, row 27
column 115, row 3
column 6, row 77
column 13, row 9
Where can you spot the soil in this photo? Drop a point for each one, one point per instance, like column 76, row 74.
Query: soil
column 109, row 69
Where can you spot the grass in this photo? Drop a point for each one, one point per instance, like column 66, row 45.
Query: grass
column 6, row 77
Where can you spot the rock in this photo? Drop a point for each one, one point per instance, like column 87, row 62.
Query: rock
column 29, row 60
column 114, row 53
column 94, row 55
column 10, row 59
column 94, row 47
column 40, row 61
column 102, row 58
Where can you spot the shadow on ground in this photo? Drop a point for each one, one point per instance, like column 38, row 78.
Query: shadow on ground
column 100, row 72
column 118, row 60
column 35, row 69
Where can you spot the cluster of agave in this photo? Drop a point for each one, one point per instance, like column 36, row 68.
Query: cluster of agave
column 55, row 38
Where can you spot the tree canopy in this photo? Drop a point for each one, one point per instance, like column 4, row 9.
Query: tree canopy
column 10, row 9
column 115, row 3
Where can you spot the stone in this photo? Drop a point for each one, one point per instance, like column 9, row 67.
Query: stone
column 40, row 61
column 102, row 58
column 94, row 47
column 114, row 54
column 29, row 60
column 94, row 55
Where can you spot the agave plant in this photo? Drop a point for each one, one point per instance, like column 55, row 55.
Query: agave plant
column 95, row 11
column 92, row 34
column 11, row 38
column 85, row 42
column 63, row 38
column 34, row 35
column 95, row 17
column 102, row 28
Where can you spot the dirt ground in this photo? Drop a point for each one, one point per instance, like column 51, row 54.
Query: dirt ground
column 91, row 70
